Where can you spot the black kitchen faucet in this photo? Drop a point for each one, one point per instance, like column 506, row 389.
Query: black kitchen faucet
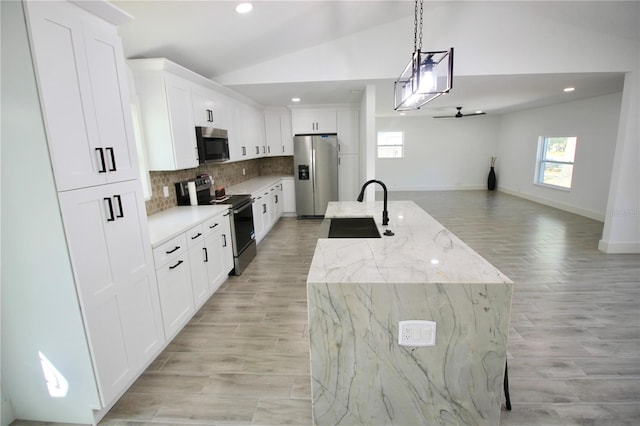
column 385, row 213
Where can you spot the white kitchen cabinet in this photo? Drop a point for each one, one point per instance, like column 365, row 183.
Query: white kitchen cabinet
column 174, row 284
column 278, row 135
column 247, row 136
column 348, row 131
column 287, row 135
column 166, row 108
column 113, row 267
column 289, row 197
column 348, row 177
column 82, row 81
column 278, row 203
column 203, row 107
column 218, row 250
column 259, row 211
column 314, row 121
column 198, row 261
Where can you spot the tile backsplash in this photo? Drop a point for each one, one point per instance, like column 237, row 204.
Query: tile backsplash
column 225, row 174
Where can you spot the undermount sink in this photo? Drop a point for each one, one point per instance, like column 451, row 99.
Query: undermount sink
column 353, row 227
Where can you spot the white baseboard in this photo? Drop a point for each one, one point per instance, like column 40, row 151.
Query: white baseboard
column 558, row 205
column 624, row 247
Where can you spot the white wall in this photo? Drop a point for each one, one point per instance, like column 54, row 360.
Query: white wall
column 440, row 154
column 594, row 121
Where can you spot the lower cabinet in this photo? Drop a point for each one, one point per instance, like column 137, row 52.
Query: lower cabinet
column 288, row 197
column 109, row 246
column 174, row 284
column 191, row 267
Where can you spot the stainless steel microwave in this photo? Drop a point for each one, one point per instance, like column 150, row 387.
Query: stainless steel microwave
column 213, row 145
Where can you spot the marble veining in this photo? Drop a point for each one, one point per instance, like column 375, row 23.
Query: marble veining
column 359, row 289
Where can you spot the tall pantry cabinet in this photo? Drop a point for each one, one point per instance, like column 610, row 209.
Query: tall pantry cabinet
column 113, row 299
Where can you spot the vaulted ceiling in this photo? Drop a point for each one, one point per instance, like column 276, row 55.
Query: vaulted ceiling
column 210, row 38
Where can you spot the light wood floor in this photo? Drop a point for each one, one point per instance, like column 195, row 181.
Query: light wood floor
column 574, row 349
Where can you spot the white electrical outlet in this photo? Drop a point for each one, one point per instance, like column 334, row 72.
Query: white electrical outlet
column 417, row 333
column 165, row 191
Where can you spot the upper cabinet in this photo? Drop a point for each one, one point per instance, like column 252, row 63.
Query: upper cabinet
column 166, row 107
column 314, row 121
column 348, row 131
column 83, row 89
column 174, row 100
column 277, row 125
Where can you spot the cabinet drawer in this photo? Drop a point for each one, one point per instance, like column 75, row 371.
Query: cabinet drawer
column 215, row 223
column 194, row 235
column 169, row 250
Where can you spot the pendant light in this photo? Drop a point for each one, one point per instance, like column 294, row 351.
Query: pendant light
column 426, row 76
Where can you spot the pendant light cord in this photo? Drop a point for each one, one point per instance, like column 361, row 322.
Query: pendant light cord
column 416, row 46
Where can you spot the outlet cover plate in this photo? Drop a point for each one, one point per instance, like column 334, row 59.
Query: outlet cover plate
column 417, row 333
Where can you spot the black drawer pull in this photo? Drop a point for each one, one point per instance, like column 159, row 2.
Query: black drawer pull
column 196, row 236
column 113, row 159
column 176, row 265
column 227, row 213
column 119, row 199
column 102, row 163
column 224, row 240
column 206, row 254
column 171, row 251
column 110, row 203
column 213, row 226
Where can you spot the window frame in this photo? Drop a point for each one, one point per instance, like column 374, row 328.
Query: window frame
column 542, row 161
column 379, row 145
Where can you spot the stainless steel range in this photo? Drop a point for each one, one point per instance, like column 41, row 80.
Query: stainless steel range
column 242, row 230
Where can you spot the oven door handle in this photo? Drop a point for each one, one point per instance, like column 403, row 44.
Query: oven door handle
column 243, row 207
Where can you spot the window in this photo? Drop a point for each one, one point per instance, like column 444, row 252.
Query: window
column 390, row 145
column 555, row 161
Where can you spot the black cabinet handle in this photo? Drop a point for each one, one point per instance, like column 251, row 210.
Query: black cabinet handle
column 110, row 203
column 210, row 116
column 171, row 251
column 113, row 159
column 119, row 199
column 206, row 254
column 102, row 163
column 268, row 150
column 257, row 150
column 227, row 213
column 176, row 265
column 264, row 208
column 244, row 150
column 196, row 236
column 224, row 240
column 276, row 198
column 213, row 226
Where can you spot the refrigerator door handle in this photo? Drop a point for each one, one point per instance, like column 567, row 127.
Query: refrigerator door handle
column 313, row 167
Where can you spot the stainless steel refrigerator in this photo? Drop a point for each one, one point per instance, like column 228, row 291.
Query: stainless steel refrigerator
column 316, row 173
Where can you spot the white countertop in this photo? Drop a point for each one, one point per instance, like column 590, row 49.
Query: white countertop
column 254, row 185
column 421, row 251
column 171, row 222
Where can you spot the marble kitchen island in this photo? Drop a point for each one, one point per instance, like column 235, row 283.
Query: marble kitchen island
column 358, row 289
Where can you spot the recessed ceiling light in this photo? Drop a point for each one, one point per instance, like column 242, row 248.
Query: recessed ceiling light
column 569, row 89
column 295, row 99
column 244, row 8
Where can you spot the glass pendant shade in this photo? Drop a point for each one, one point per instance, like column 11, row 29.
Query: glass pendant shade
column 427, row 76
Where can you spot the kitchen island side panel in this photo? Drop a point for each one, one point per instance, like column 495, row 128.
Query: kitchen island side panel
column 360, row 375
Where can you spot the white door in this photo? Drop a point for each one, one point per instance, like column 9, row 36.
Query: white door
column 113, row 267
column 185, row 149
column 83, row 90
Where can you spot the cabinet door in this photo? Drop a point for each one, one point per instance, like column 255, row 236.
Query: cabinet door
column 198, row 261
column 287, row 135
column 258, row 223
column 289, row 196
column 348, row 177
column 215, row 261
column 273, row 132
column 314, row 121
column 202, row 108
column 178, row 92
column 176, row 294
column 227, row 248
column 348, row 132
column 83, row 90
column 113, row 267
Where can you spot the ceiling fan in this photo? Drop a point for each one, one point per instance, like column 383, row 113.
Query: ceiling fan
column 459, row 114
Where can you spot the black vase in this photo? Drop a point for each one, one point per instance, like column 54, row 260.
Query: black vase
column 491, row 180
